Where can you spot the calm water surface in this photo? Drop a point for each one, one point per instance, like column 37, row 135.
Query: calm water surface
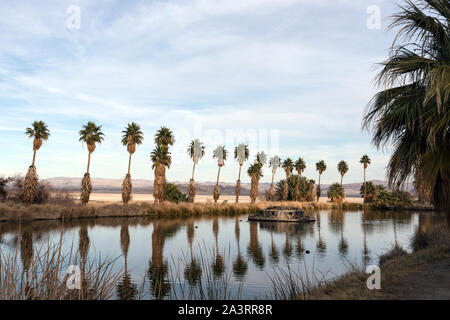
column 172, row 258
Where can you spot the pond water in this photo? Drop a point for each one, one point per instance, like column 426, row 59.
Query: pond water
column 178, row 258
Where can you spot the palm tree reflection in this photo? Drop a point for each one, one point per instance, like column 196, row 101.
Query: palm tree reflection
column 126, row 288
column 321, row 244
column 343, row 244
column 218, row 265
column 274, row 254
column 158, row 268
column 287, row 250
column 366, row 257
column 26, row 256
column 254, row 249
column 192, row 271
column 240, row 266
column 299, row 249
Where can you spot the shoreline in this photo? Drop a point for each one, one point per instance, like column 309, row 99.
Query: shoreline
column 421, row 275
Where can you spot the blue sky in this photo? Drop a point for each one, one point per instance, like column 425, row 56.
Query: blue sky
column 290, row 77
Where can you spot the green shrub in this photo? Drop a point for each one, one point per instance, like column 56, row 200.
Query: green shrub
column 336, row 193
column 306, row 188
column 174, row 194
column 395, row 198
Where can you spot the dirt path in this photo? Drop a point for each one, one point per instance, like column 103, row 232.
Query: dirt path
column 432, row 283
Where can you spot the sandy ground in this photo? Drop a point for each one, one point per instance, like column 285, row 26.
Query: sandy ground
column 117, row 197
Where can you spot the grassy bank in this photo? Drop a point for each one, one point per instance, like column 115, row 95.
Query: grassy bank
column 429, row 247
column 20, row 212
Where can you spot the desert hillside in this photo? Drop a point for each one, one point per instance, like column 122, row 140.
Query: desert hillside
column 203, row 188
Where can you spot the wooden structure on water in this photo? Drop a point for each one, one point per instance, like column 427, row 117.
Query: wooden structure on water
column 281, row 214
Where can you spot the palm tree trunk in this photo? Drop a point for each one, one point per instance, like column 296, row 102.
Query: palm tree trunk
column 297, row 190
column 34, row 157
column 271, row 189
column 89, row 162
column 341, row 178
column 129, row 164
column 364, row 185
column 395, row 232
column 318, row 195
column 193, row 170
column 218, row 173
column 216, row 193
column 238, row 184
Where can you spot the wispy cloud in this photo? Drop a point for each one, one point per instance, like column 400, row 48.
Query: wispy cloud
column 205, row 68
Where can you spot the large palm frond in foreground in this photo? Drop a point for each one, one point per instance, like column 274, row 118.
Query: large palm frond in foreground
column 413, row 114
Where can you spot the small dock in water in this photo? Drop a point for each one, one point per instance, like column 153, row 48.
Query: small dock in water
column 281, row 214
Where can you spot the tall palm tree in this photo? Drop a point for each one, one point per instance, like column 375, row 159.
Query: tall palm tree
column 132, row 136
column 89, row 134
column 160, row 158
column 196, row 151
column 342, row 168
column 288, row 166
column 39, row 132
column 220, row 153
column 300, row 166
column 274, row 163
column 255, row 172
column 412, row 112
column 241, row 154
column 320, row 167
column 365, row 161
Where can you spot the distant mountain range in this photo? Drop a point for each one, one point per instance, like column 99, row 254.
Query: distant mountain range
column 146, row 186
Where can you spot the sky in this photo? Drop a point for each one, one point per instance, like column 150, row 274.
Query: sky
column 288, row 77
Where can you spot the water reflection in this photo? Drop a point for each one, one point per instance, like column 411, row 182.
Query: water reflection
column 321, row 244
column 240, row 265
column 169, row 261
column 26, row 249
column 287, row 249
column 337, row 222
column 126, row 288
column 83, row 250
column 192, row 271
column 158, row 270
column 254, row 248
column 218, row 265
